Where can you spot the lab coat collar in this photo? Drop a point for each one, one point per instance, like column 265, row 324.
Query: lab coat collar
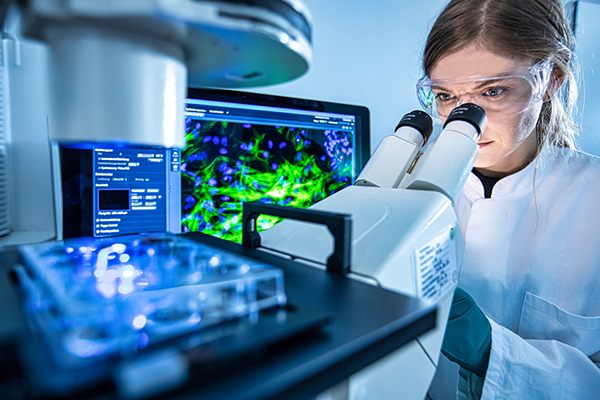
column 518, row 183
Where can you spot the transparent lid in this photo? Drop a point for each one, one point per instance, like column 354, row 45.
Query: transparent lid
column 93, row 298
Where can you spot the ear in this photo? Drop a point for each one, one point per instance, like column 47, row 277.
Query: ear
column 556, row 81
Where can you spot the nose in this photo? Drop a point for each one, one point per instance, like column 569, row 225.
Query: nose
column 465, row 98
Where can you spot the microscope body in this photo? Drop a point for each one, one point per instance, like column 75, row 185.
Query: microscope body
column 405, row 238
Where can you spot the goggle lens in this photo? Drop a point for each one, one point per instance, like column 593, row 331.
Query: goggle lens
column 500, row 97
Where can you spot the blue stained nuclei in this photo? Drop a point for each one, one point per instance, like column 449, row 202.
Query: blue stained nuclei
column 247, row 126
column 206, row 139
column 299, row 156
column 223, row 151
column 274, row 166
column 227, row 179
column 224, row 141
column 225, row 198
column 306, row 142
column 243, row 146
column 265, row 154
column 197, row 125
column 270, row 144
column 216, row 140
column 212, row 182
column 190, row 201
column 208, row 205
column 188, row 121
column 198, row 181
column 323, row 158
column 282, row 145
column 221, row 210
column 213, row 191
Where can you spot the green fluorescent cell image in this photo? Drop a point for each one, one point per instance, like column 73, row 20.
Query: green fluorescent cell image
column 225, row 164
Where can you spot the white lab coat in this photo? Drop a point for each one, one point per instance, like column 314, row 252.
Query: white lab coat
column 532, row 264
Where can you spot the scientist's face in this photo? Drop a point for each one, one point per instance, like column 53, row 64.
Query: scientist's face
column 508, row 144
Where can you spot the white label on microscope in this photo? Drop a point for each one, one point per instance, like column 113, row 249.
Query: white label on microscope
column 436, row 266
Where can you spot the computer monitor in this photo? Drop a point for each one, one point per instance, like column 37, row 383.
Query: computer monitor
column 255, row 147
column 240, row 147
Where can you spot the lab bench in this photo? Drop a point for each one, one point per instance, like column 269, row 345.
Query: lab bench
column 330, row 328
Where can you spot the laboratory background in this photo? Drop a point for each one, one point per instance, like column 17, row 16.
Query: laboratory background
column 316, row 310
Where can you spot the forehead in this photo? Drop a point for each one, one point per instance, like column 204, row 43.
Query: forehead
column 474, row 60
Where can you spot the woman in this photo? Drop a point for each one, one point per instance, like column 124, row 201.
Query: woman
column 525, row 323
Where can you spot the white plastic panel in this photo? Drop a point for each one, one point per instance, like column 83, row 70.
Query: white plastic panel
column 30, row 176
column 4, row 161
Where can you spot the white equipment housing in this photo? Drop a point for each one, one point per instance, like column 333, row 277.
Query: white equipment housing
column 404, row 240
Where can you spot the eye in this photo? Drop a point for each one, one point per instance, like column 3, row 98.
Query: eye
column 494, row 92
column 442, row 96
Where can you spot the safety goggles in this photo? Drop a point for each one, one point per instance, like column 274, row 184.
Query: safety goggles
column 502, row 95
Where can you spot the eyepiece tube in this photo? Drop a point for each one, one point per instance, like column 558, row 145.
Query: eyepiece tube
column 449, row 160
column 396, row 152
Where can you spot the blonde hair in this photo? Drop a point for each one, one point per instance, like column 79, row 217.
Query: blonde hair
column 535, row 29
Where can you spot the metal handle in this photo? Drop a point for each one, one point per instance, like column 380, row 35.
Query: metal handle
column 340, row 226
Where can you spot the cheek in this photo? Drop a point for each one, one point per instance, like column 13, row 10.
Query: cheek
column 514, row 130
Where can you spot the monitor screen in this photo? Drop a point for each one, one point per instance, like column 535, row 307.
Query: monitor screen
column 240, row 147
column 110, row 190
column 249, row 147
